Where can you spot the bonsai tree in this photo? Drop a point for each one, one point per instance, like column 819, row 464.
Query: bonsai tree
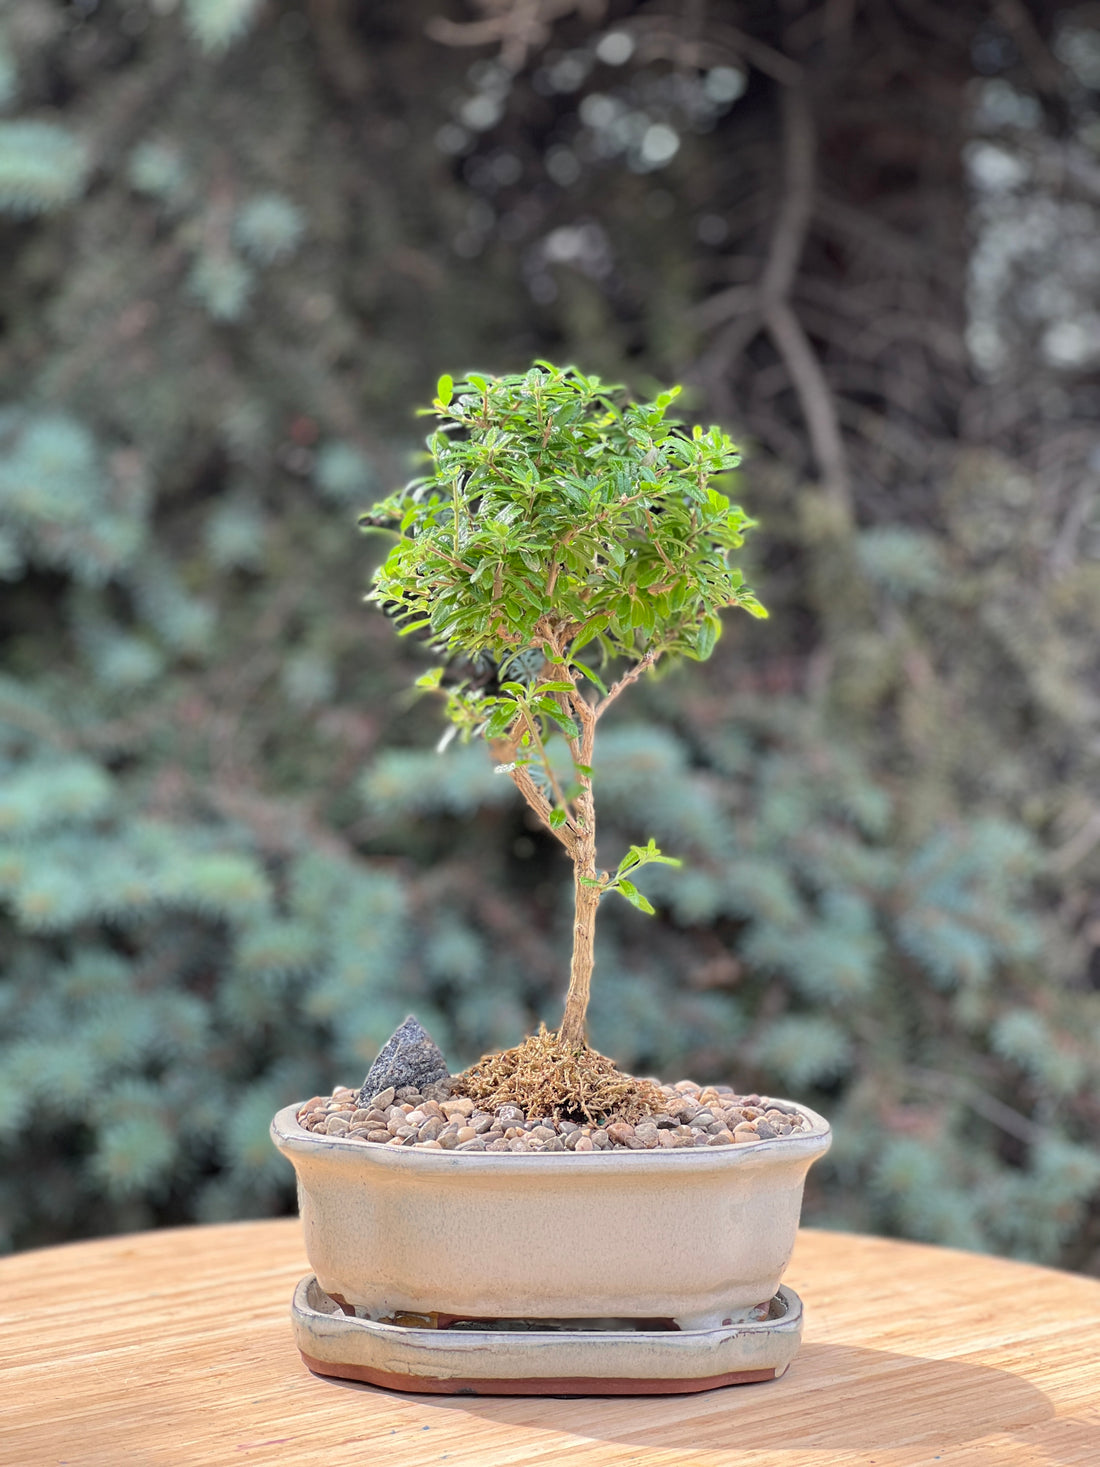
column 568, row 541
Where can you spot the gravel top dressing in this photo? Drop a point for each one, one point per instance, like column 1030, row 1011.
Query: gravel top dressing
column 437, row 1119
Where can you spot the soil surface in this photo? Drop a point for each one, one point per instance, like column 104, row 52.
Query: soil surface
column 695, row 1115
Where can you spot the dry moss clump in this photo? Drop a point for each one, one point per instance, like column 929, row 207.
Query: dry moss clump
column 547, row 1079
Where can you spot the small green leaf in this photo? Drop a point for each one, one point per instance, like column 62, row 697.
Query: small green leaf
column 500, row 721
column 706, row 637
column 634, row 897
column 557, row 819
column 591, row 631
column 597, row 682
column 548, row 707
column 646, row 855
column 430, row 680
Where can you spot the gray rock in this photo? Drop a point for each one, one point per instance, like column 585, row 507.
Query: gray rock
column 410, row 1057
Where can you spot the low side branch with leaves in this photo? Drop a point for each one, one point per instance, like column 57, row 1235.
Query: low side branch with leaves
column 561, row 519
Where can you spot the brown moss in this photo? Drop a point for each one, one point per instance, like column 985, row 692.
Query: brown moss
column 548, row 1079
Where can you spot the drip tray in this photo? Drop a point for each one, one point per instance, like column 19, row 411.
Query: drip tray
column 543, row 1357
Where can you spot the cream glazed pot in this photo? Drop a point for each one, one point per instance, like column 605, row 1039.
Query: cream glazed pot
column 700, row 1236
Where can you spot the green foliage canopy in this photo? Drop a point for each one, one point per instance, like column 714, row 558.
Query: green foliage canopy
column 554, row 508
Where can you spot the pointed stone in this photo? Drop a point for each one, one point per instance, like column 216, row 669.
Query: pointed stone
column 409, row 1057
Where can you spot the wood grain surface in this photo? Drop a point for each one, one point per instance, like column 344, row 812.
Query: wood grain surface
column 174, row 1348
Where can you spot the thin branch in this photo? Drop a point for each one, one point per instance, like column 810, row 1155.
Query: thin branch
column 782, row 324
column 813, row 392
column 662, row 36
column 793, row 219
column 767, row 305
column 519, row 26
column 735, row 300
column 1063, row 553
column 1081, row 844
column 586, row 717
column 627, row 678
column 541, row 806
column 1017, row 21
column 987, row 1106
column 536, row 739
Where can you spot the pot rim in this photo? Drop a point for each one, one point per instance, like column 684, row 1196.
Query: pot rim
column 293, row 1139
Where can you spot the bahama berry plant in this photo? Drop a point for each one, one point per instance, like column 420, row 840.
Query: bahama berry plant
column 570, row 540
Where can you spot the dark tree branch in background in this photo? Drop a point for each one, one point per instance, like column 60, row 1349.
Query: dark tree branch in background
column 768, row 305
column 518, row 27
column 784, row 327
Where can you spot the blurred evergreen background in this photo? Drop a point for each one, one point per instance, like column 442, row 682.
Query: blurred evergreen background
column 240, row 240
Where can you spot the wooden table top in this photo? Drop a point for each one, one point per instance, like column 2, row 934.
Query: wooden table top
column 174, row 1348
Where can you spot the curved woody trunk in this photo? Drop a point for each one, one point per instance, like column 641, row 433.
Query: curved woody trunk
column 586, row 899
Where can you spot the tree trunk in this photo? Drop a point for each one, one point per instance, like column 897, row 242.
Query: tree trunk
column 586, row 900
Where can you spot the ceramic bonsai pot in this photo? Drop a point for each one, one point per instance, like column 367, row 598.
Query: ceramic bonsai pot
column 698, row 1236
